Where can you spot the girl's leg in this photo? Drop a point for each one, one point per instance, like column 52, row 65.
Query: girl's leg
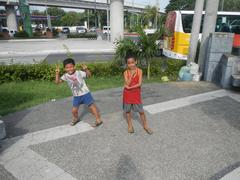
column 129, row 121
column 94, row 111
column 144, row 121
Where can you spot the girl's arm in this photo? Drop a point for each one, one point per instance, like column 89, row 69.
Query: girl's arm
column 140, row 80
column 85, row 68
column 57, row 78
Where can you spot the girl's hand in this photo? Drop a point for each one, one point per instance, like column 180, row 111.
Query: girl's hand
column 84, row 67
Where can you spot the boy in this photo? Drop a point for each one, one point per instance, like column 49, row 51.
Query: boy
column 132, row 99
column 81, row 93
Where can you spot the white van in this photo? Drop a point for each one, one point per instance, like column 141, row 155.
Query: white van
column 106, row 29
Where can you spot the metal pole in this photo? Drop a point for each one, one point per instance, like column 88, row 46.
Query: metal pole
column 197, row 19
column 108, row 34
column 222, row 6
column 208, row 27
column 156, row 18
column 49, row 24
column 95, row 13
column 88, row 18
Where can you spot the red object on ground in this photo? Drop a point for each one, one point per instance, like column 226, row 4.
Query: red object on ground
column 236, row 40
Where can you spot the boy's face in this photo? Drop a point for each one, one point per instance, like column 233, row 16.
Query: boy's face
column 131, row 63
column 69, row 68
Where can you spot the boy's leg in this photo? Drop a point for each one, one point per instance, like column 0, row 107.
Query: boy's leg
column 144, row 121
column 129, row 121
column 75, row 115
column 94, row 111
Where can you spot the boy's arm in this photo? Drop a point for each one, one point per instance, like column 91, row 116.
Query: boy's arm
column 127, row 80
column 57, row 78
column 85, row 68
column 140, row 81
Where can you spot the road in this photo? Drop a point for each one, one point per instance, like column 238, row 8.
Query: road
column 53, row 50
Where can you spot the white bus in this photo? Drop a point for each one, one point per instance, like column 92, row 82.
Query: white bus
column 178, row 26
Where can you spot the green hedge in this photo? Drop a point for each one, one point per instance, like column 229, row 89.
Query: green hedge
column 20, row 72
column 21, row 34
column 83, row 35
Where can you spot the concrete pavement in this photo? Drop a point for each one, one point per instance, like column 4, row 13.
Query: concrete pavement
column 199, row 139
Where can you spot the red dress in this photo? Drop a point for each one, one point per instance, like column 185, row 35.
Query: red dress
column 132, row 96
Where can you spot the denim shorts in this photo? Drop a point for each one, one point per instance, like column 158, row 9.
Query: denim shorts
column 86, row 99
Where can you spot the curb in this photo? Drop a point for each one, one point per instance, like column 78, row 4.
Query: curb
column 2, row 130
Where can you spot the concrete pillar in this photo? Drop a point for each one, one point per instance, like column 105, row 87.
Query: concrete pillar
column 195, row 30
column 11, row 18
column 208, row 27
column 116, row 19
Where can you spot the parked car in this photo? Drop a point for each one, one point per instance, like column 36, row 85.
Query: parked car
column 5, row 29
column 93, row 29
column 106, row 29
column 65, row 30
column 81, row 30
column 12, row 32
column 149, row 31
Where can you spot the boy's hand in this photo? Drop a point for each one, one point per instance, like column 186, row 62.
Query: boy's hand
column 84, row 67
column 57, row 69
column 127, row 87
column 132, row 74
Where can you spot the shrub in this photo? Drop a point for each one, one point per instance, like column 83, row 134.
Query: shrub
column 83, row 35
column 21, row 34
column 46, row 72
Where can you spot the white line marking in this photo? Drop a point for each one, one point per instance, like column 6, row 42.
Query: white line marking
column 234, row 175
column 181, row 102
column 26, row 164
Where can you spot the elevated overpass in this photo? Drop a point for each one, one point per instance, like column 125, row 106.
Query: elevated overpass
column 81, row 4
column 116, row 7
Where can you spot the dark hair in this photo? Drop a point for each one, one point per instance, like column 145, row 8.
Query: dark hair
column 128, row 56
column 68, row 61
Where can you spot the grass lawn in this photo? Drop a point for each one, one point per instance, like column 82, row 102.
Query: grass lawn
column 16, row 96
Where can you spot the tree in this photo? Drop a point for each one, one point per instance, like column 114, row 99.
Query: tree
column 149, row 15
column 55, row 11
column 71, row 19
column 229, row 5
column 182, row 5
column 37, row 12
column 145, row 49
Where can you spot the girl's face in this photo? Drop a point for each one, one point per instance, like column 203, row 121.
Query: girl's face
column 131, row 63
column 69, row 68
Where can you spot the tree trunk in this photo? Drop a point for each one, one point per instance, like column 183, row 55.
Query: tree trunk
column 148, row 69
